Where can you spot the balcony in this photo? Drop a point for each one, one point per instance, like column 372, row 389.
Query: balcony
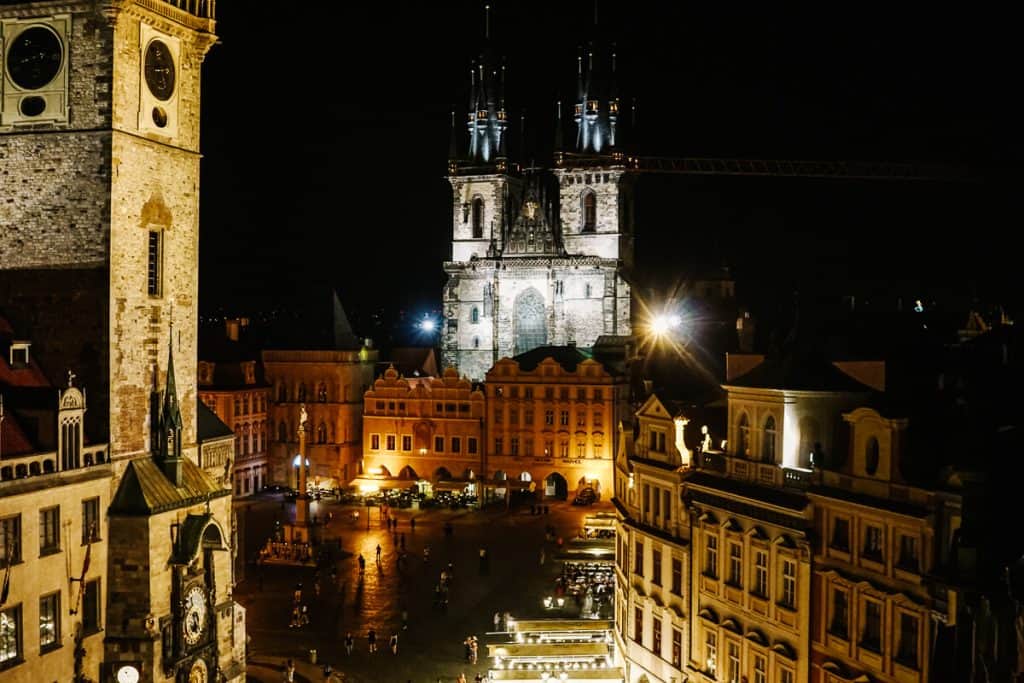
column 38, row 464
column 765, row 474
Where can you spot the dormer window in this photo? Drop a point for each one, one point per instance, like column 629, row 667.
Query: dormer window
column 871, row 456
column 19, row 357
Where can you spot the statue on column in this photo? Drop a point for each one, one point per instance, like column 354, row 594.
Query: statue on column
column 303, row 417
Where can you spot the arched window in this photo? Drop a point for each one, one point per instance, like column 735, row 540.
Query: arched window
column 282, row 432
column 530, row 324
column 871, row 454
column 238, row 405
column 321, row 433
column 768, row 441
column 474, row 315
column 743, row 436
column 321, row 393
column 589, row 212
column 302, row 392
column 478, row 217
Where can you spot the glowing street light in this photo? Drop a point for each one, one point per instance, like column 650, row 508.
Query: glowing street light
column 427, row 325
column 664, row 323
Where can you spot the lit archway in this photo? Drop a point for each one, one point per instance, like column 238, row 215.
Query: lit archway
column 555, row 486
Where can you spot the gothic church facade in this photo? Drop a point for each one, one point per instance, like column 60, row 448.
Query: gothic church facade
column 539, row 257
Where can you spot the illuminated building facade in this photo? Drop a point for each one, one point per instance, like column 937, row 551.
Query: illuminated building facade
column 423, row 428
column 538, row 258
column 652, row 533
column 551, row 419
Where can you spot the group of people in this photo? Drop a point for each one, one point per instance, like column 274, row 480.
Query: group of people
column 300, row 613
column 280, row 550
column 441, row 589
column 590, row 584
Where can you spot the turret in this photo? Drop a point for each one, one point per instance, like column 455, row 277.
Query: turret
column 169, row 448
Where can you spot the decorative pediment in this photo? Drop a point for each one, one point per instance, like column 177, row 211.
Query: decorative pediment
column 708, row 614
column 731, row 625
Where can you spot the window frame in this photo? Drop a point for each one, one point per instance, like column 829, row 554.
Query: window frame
column 11, row 526
column 54, row 600
column 91, row 509
column 155, row 263
column 13, row 615
column 44, row 547
column 89, row 627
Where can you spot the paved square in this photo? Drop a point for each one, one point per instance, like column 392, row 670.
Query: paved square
column 431, row 649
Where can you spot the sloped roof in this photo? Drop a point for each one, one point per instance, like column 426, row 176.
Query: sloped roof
column 799, row 373
column 209, row 426
column 146, row 490
column 566, row 356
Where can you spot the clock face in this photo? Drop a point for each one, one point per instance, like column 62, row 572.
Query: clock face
column 195, row 614
column 127, row 674
column 34, row 58
column 159, row 66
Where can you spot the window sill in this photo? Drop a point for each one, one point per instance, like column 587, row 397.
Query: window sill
column 11, row 663
column 46, row 552
column 786, row 608
column 47, row 649
column 15, row 563
column 95, row 540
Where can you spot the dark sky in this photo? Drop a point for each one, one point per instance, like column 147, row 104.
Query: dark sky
column 325, row 134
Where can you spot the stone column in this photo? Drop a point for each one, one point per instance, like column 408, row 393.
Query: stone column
column 302, row 499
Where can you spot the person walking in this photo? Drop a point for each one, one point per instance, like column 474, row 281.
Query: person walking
column 412, row 524
column 394, row 643
column 328, row 670
column 362, row 564
column 542, row 556
column 426, row 554
column 349, row 642
column 378, row 553
column 371, row 640
column 497, row 621
column 289, row 672
column 461, row 678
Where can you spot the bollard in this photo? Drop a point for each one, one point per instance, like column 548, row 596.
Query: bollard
column 312, row 656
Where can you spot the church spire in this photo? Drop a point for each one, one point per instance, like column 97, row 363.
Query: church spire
column 487, row 119
column 171, row 423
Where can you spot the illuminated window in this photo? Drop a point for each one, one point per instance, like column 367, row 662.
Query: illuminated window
column 10, row 540
column 389, row 442
column 154, row 271
column 478, row 218
column 732, row 673
column 374, row 440
column 49, row 621
column 743, row 436
column 10, row 635
column 760, row 669
column 589, row 212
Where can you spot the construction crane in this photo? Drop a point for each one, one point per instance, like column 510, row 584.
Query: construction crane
column 852, row 170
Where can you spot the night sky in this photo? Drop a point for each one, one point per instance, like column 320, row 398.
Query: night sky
column 326, row 130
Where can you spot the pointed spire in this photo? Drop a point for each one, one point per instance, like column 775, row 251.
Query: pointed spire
column 453, row 143
column 558, row 126
column 487, row 22
column 171, row 423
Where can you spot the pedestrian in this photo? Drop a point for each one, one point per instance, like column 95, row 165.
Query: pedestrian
column 412, row 524
column 362, row 564
column 497, row 621
column 478, row 678
column 394, row 643
column 297, row 596
column 505, row 619
column 371, row 640
column 405, row 619
column 542, row 556
column 289, row 672
column 378, row 553
column 472, row 649
column 461, row 678
column 305, row 616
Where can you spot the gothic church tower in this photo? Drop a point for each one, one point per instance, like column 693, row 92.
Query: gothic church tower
column 538, row 258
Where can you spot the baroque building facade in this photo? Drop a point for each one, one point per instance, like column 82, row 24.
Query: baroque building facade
column 551, row 419
column 423, row 428
column 99, row 131
column 538, row 258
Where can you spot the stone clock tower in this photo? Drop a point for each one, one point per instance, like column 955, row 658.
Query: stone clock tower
column 99, row 151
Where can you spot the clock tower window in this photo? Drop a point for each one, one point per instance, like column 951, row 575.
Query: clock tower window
column 154, row 263
column 589, row 212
